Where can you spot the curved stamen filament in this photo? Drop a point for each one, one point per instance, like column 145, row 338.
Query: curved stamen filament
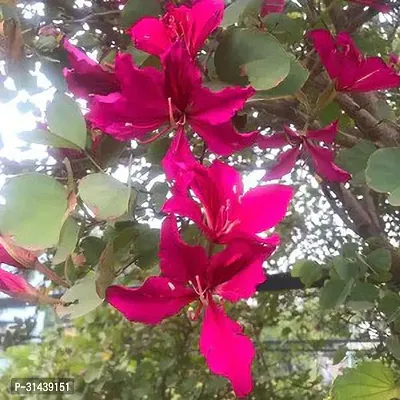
column 171, row 113
column 154, row 137
column 199, row 291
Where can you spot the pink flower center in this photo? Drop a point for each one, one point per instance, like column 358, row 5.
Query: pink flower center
column 174, row 28
column 176, row 119
column 203, row 297
column 223, row 222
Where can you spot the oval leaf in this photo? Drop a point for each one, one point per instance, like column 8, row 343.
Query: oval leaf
column 68, row 239
column 35, row 204
column 355, row 159
column 335, row 293
column 107, row 197
column 83, row 298
column 46, row 138
column 136, row 9
column 369, row 381
column 294, row 81
column 249, row 56
column 65, row 119
column 383, row 173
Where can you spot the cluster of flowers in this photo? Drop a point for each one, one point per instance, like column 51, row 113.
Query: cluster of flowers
column 132, row 103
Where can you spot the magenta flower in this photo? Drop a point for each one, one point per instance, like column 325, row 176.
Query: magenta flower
column 193, row 25
column 86, row 76
column 188, row 274
column 348, row 68
column 272, row 6
column 222, row 211
column 309, row 143
column 379, row 5
column 5, row 258
column 150, row 98
column 16, row 286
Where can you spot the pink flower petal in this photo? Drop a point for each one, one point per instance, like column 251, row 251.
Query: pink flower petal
column 284, row 164
column 272, row 6
column 141, row 106
column 275, row 141
column 326, row 135
column 5, row 258
column 236, row 271
column 150, row 35
column 324, row 165
column 218, row 188
column 324, row 44
column 179, row 261
column 16, row 286
column 158, row 298
column 375, row 74
column 182, row 76
column 86, row 76
column 292, row 135
column 224, row 139
column 179, row 160
column 193, row 25
column 206, row 15
column 227, row 181
column 264, row 207
column 244, row 284
column 350, row 70
column 227, row 350
column 184, row 206
column 216, row 108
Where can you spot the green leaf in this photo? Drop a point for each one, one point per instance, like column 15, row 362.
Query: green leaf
column 335, row 293
column 34, row 211
column 106, row 197
column 355, row 159
column 46, row 138
column 92, row 248
column 380, row 261
column 340, row 353
column 363, row 296
column 294, row 81
column 285, row 29
column 389, row 305
column 308, row 271
column 136, row 9
column 106, row 272
column 245, row 55
column 262, row 80
column 350, row 250
column 159, row 194
column 83, row 297
column 383, row 173
column 394, row 317
column 68, row 239
column 369, row 381
column 65, row 119
column 331, row 113
column 345, row 269
column 109, row 150
column 138, row 56
column 146, row 246
column 234, row 11
column 393, row 344
column 157, row 150
column 93, row 373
